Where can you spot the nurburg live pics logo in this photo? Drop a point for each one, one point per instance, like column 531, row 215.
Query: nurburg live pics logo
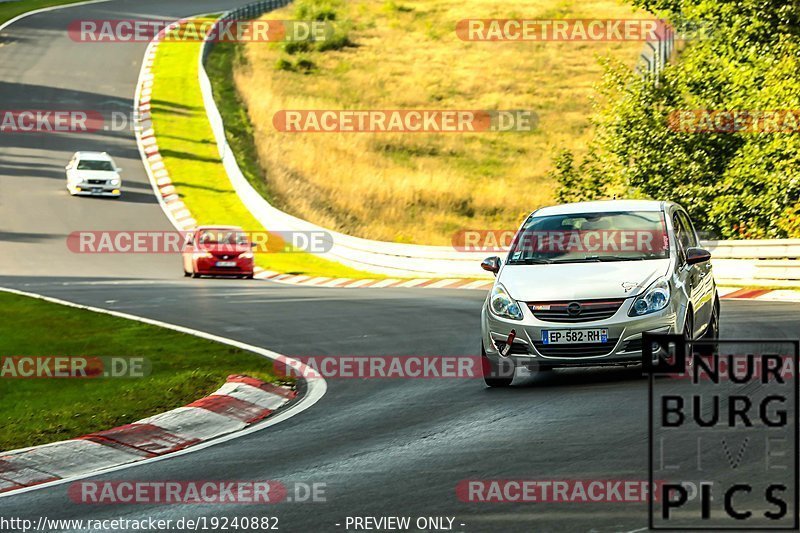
column 723, row 440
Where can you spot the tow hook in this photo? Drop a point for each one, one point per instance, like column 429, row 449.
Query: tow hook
column 507, row 348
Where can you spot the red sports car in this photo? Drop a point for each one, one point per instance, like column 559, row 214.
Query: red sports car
column 218, row 251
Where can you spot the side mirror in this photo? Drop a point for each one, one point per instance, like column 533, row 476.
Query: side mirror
column 696, row 255
column 118, row 169
column 491, row 264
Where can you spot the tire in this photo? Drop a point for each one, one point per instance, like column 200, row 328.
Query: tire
column 186, row 274
column 248, row 276
column 688, row 325
column 195, row 275
column 711, row 333
column 492, row 375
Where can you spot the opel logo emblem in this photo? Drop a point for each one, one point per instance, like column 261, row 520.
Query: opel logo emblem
column 574, row 309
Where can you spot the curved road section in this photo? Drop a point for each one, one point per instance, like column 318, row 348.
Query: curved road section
column 382, row 448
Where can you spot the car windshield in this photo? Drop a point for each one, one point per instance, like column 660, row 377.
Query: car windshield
column 591, row 237
column 229, row 237
column 92, row 164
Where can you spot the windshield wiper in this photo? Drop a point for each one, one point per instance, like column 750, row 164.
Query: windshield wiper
column 602, row 258
column 579, row 260
column 530, row 261
column 599, row 259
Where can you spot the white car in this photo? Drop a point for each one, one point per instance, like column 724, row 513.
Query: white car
column 582, row 283
column 93, row 174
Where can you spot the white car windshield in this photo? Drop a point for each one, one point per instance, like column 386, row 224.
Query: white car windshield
column 588, row 237
column 91, row 164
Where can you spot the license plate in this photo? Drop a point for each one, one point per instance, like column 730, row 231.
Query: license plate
column 226, row 263
column 574, row 336
column 97, row 190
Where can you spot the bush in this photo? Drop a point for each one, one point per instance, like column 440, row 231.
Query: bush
column 738, row 185
column 337, row 36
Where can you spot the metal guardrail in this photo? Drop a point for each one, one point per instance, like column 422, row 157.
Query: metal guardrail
column 247, row 12
column 755, row 248
column 656, row 54
column 757, row 261
column 741, row 261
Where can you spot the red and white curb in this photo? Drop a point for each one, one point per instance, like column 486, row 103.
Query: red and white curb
column 171, row 203
column 350, row 283
column 241, row 402
column 769, row 295
column 243, row 405
column 725, row 293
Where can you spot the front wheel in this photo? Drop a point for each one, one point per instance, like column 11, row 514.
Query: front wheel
column 711, row 334
column 496, row 374
column 712, row 331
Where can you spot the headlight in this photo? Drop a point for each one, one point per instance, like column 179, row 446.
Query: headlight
column 247, row 255
column 502, row 305
column 115, row 182
column 654, row 299
column 202, row 255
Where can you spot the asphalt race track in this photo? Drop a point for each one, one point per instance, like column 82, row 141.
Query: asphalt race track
column 383, row 447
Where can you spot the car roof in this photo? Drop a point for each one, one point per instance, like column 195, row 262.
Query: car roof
column 97, row 156
column 601, row 206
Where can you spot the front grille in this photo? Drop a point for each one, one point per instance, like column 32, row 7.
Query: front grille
column 97, row 182
column 590, row 310
column 576, row 350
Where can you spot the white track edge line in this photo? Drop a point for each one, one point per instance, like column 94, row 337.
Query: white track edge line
column 46, row 9
column 315, row 390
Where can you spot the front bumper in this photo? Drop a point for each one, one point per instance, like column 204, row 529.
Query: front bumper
column 208, row 267
column 95, row 190
column 624, row 344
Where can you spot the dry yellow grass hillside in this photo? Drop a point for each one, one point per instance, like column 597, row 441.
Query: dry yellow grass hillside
column 416, row 187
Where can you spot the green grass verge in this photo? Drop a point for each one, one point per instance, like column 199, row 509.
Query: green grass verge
column 183, row 367
column 238, row 128
column 10, row 10
column 190, row 154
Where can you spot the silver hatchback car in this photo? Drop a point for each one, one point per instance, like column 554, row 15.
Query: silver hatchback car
column 583, row 281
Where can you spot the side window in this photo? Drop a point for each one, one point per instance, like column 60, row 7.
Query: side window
column 691, row 237
column 680, row 235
